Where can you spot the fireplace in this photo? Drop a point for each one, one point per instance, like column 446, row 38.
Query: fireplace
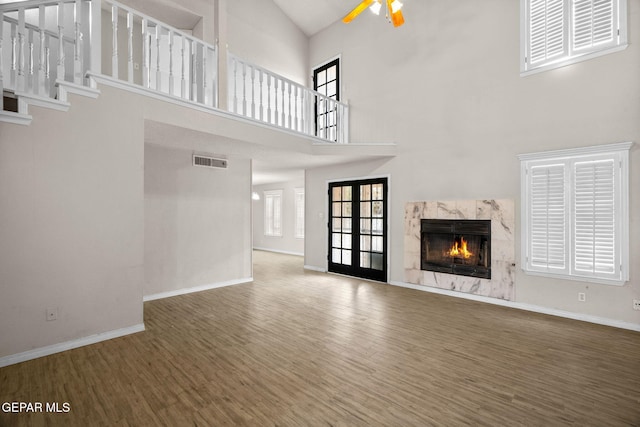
column 456, row 246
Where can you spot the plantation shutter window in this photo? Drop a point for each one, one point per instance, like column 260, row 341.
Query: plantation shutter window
column 575, row 213
column 560, row 32
column 273, row 213
column 547, row 29
column 299, row 212
column 548, row 218
column 595, row 217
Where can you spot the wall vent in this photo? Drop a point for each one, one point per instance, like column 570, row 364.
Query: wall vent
column 209, row 162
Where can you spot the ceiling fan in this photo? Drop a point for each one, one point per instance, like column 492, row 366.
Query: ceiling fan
column 394, row 14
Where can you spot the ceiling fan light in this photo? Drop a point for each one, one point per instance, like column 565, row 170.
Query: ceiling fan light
column 396, row 6
column 375, row 7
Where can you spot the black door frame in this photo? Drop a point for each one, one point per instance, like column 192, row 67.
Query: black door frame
column 354, row 269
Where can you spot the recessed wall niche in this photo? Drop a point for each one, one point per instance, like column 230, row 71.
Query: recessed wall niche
column 502, row 216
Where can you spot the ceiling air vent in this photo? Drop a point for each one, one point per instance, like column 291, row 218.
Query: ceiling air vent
column 209, row 162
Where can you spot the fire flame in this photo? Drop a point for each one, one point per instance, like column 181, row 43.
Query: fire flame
column 461, row 249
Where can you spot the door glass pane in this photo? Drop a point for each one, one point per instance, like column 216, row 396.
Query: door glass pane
column 337, row 192
column 376, row 226
column 337, row 224
column 346, row 193
column 336, row 239
column 365, row 243
column 346, row 225
column 365, row 192
column 365, row 226
column 346, row 241
column 377, row 209
column 365, row 209
column 376, row 261
column 337, row 209
column 376, row 191
column 331, row 73
column 322, row 78
column 346, row 208
column 365, row 260
column 346, row 257
column 376, row 243
column 335, row 255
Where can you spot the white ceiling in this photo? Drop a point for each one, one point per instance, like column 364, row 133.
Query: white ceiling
column 312, row 16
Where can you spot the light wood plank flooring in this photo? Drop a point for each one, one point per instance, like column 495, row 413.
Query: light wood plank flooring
column 298, row 348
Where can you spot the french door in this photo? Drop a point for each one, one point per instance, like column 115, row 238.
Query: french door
column 358, row 228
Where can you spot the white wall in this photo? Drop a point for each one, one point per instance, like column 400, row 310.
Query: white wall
column 260, row 32
column 197, row 220
column 446, row 88
column 71, row 223
column 287, row 242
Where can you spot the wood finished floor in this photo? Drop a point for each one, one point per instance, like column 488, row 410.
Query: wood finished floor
column 298, row 348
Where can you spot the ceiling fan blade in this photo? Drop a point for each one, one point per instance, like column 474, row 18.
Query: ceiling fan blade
column 357, row 11
column 396, row 17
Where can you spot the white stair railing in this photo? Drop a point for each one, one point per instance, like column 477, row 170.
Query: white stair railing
column 45, row 42
column 264, row 96
column 156, row 56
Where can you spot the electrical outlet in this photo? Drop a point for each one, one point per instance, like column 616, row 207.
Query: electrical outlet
column 636, row 304
column 52, row 314
column 582, row 297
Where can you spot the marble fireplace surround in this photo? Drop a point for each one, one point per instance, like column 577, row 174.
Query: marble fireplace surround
column 502, row 216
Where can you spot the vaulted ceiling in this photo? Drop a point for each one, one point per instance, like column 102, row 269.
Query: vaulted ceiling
column 312, row 16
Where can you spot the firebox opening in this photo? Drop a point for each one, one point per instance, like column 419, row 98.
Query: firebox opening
column 461, row 247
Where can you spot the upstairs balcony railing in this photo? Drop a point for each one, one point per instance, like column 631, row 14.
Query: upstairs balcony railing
column 262, row 95
column 47, row 43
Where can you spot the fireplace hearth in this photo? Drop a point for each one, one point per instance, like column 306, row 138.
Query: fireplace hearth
column 456, row 246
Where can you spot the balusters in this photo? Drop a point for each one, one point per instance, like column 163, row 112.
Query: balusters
column 269, row 98
column 205, row 94
column 235, row 85
column 244, row 89
column 296, row 117
column 253, row 92
column 183, row 81
column 14, row 55
column 261, row 96
column 170, row 41
column 114, row 27
column 158, row 73
column 47, row 66
column 129, row 47
column 194, row 75
column 40, row 76
column 277, row 112
column 77, row 44
column 146, row 54
column 21, row 79
column 289, row 99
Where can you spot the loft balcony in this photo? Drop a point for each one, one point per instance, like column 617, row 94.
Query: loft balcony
column 51, row 48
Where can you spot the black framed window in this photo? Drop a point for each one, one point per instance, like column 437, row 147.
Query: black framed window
column 326, row 81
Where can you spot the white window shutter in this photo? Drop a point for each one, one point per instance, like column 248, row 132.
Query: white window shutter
column 547, row 35
column 595, row 246
column 594, row 24
column 548, row 218
column 273, row 213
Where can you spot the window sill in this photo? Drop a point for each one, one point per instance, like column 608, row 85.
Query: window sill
column 575, row 278
column 564, row 62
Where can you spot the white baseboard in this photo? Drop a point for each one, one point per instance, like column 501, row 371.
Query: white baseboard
column 69, row 345
column 278, row 251
column 196, row 289
column 314, row 268
column 522, row 306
